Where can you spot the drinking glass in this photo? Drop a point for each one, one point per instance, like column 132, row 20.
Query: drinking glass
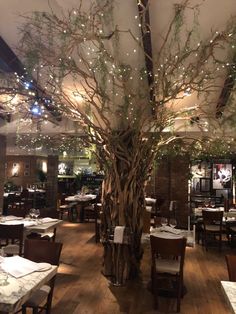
column 172, row 222
column 32, row 213
column 164, row 221
column 36, row 213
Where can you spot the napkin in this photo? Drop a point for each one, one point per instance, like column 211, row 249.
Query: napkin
column 10, row 217
column 119, row 234
column 171, row 230
column 48, row 219
column 18, row 266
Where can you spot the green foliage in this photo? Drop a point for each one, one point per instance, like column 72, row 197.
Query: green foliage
column 9, row 186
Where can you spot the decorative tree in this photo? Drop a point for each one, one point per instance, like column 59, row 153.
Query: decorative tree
column 89, row 74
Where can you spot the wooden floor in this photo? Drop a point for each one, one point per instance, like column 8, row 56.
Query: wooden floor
column 81, row 288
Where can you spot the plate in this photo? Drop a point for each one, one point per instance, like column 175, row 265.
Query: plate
column 44, row 266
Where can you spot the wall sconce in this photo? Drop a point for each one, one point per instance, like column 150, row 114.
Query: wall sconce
column 44, row 166
column 15, row 170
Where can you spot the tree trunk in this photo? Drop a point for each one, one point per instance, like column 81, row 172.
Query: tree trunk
column 123, row 204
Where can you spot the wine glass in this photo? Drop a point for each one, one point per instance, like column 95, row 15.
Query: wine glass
column 32, row 213
column 164, row 221
column 172, row 222
column 36, row 213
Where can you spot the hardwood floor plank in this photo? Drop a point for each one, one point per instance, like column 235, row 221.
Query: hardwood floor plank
column 81, row 288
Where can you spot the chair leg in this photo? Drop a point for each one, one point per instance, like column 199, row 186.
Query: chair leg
column 49, row 301
column 179, row 292
column 220, row 242
column 205, row 241
column 155, row 292
column 23, row 310
column 35, row 310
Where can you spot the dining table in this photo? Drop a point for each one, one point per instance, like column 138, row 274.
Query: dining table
column 40, row 225
column 82, row 200
column 168, row 232
column 231, row 213
column 23, row 278
column 229, row 291
column 229, row 217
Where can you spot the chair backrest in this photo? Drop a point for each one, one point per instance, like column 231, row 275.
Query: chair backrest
column 146, row 221
column 18, row 212
column 11, row 233
column 231, row 266
column 47, row 212
column 171, row 248
column 24, row 194
column 43, row 251
column 210, row 217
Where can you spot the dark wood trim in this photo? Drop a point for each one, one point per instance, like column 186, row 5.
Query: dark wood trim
column 144, row 17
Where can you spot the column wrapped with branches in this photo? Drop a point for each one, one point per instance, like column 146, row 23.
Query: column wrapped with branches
column 91, row 69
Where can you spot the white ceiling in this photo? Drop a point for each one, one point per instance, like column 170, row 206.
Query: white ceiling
column 213, row 15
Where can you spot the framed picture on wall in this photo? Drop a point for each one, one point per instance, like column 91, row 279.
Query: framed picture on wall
column 222, row 176
column 205, row 184
column 15, row 169
column 27, row 165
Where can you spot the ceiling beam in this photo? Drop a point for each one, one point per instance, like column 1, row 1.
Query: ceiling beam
column 227, row 89
column 10, row 63
column 144, row 17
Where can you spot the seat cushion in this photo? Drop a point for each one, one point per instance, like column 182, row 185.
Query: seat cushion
column 38, row 297
column 168, row 266
column 213, row 228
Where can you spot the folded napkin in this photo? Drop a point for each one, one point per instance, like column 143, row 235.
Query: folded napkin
column 18, row 266
column 12, row 222
column 119, row 234
column 150, row 200
column 48, row 219
column 28, row 223
column 170, row 229
column 10, row 217
column 91, row 195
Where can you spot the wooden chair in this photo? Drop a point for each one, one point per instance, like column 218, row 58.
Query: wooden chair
column 89, row 212
column 167, row 267
column 231, row 266
column 18, row 212
column 11, row 239
column 212, row 226
column 48, row 252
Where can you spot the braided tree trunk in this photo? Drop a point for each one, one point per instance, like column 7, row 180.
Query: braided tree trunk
column 123, row 205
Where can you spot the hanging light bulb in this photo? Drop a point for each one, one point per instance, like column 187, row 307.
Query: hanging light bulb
column 36, row 109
